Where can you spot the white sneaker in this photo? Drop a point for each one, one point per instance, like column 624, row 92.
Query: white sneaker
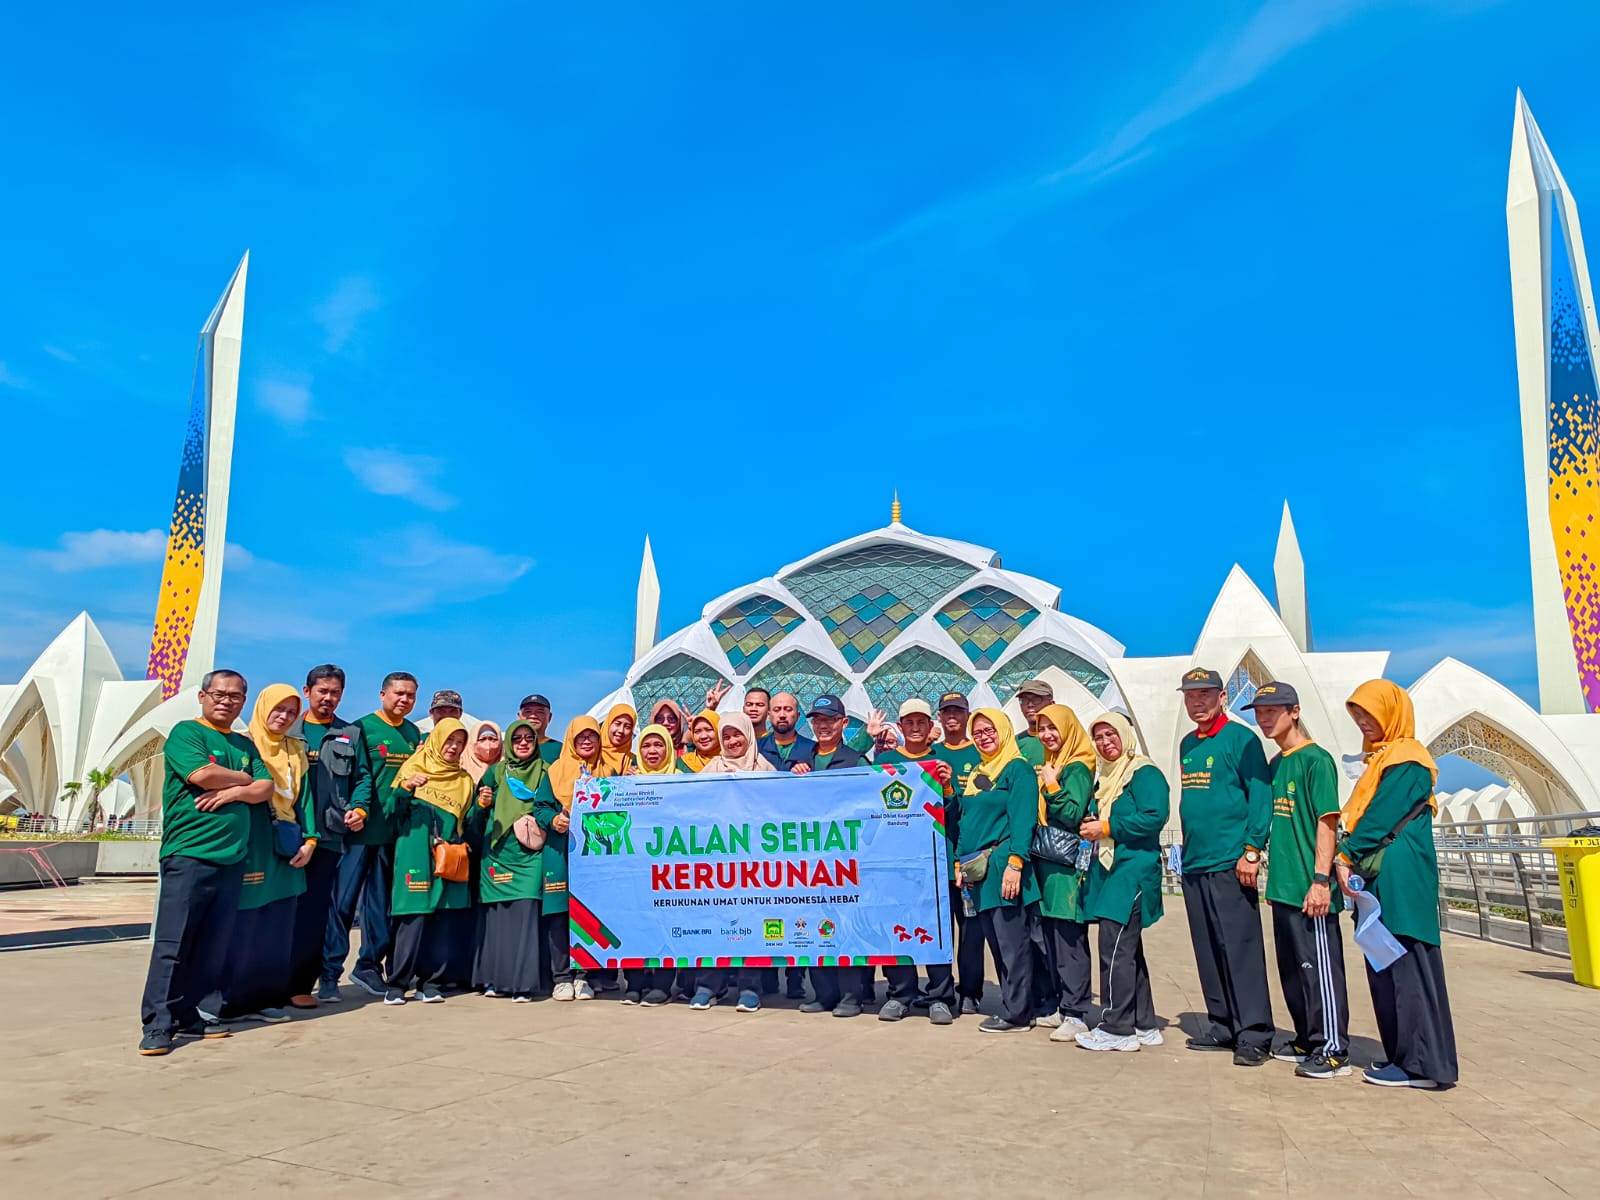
column 1068, row 1030
column 522, row 998
column 1149, row 1037
column 584, row 991
column 1098, row 1039
column 563, row 991
column 1053, row 1021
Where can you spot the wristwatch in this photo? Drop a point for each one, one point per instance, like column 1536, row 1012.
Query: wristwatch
column 1252, row 855
column 1319, row 878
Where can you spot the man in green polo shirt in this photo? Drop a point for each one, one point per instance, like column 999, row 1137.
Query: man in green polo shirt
column 1225, row 812
column 1305, row 909
column 212, row 776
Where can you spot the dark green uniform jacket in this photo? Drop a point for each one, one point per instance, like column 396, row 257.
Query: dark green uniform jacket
column 1003, row 817
column 267, row 874
column 1408, row 884
column 1061, row 887
column 509, row 870
column 388, row 747
column 1137, row 818
column 1227, row 798
column 416, row 888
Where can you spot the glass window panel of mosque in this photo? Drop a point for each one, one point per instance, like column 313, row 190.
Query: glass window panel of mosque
column 984, row 622
column 750, row 628
column 917, row 673
column 1034, row 659
column 682, row 678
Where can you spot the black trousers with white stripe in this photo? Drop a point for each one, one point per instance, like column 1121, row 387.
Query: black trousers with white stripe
column 1124, row 978
column 1311, row 970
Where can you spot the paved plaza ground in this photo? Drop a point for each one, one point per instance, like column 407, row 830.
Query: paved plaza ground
column 595, row 1099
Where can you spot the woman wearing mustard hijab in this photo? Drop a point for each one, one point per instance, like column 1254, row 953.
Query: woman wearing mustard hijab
column 999, row 811
column 618, row 730
column 1066, row 782
column 255, row 979
column 434, row 799
column 511, row 870
column 704, row 744
column 581, row 751
column 1388, row 844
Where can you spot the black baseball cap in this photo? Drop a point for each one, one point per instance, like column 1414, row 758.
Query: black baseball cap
column 533, row 699
column 1274, row 694
column 1199, row 679
column 954, row 700
column 826, row 706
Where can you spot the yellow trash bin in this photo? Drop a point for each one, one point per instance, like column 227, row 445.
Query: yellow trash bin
column 1578, row 867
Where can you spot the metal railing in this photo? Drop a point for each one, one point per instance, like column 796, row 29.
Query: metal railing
column 54, row 827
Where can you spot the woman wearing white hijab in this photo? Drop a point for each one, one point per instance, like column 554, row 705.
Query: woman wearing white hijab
column 1131, row 804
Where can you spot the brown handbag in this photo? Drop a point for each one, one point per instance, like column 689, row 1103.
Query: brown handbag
column 450, row 861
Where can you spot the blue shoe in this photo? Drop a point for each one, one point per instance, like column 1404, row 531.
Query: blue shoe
column 328, row 992
column 702, row 999
column 1390, row 1075
column 748, row 1002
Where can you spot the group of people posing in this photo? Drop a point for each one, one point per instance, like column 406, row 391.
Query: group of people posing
column 450, row 848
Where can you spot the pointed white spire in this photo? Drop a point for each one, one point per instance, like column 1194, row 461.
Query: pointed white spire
column 1289, row 574
column 647, row 618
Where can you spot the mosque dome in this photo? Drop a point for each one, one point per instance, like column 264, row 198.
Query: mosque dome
column 878, row 619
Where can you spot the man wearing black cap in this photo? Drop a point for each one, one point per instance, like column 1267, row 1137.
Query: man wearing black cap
column 839, row 990
column 535, row 710
column 962, row 758
column 1225, row 811
column 1305, row 909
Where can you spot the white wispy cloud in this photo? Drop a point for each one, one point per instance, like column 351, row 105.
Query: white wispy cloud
column 58, row 353
column 91, row 549
column 393, row 473
column 287, row 397
column 351, row 299
column 11, row 379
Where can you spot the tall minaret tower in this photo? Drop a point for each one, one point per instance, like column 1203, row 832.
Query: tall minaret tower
column 647, row 613
column 1289, row 574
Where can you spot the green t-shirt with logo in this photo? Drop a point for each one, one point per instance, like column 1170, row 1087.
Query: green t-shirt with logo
column 1032, row 749
column 221, row 837
column 1305, row 788
column 1226, row 802
column 388, row 747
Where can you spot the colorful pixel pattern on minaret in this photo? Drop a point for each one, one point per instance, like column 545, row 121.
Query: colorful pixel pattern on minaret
column 183, row 641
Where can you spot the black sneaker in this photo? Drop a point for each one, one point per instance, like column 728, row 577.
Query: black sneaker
column 813, row 1006
column 1206, row 1042
column 631, row 997
column 1292, row 1052
column 155, row 1043
column 969, row 1006
column 205, row 1029
column 892, row 1010
column 848, row 1007
column 1251, row 1056
column 654, row 998
column 1001, row 1025
column 369, row 981
column 1322, row 1065
column 431, row 994
column 395, row 996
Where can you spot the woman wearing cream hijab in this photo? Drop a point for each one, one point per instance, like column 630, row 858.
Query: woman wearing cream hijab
column 738, row 737
column 1394, row 797
column 1132, row 802
column 255, row 978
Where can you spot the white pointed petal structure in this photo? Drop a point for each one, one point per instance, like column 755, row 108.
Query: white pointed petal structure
column 647, row 611
column 1289, row 574
column 72, row 712
column 183, row 642
column 1552, row 306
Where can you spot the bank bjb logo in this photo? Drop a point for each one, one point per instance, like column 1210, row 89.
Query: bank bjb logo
column 896, row 796
column 608, row 833
column 772, row 930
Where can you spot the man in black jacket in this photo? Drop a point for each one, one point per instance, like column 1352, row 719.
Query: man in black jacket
column 339, row 782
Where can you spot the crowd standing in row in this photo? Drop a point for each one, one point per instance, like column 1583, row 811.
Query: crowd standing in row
column 450, row 849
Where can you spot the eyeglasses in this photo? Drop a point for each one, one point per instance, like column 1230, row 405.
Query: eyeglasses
column 227, row 697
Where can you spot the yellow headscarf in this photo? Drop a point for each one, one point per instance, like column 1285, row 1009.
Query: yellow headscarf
column 1076, row 745
column 692, row 758
column 616, row 758
column 669, row 765
column 564, row 772
column 1112, row 777
column 285, row 756
column 1390, row 706
column 448, row 786
column 990, row 765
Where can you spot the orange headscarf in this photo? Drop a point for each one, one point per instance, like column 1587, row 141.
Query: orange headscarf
column 617, row 757
column 1390, row 705
column 564, row 772
column 692, row 758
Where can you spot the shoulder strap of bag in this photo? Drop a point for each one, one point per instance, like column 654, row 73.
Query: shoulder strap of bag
column 1411, row 814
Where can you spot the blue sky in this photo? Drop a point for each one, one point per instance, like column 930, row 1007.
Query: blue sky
column 1097, row 287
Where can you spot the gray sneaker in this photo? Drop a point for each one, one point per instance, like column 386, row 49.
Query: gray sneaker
column 939, row 1014
column 893, row 1010
column 368, row 980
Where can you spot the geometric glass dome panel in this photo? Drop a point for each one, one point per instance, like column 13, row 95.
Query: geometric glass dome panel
column 750, row 628
column 984, row 622
column 866, row 598
column 798, row 673
column 1034, row 659
column 915, row 674
column 682, row 678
